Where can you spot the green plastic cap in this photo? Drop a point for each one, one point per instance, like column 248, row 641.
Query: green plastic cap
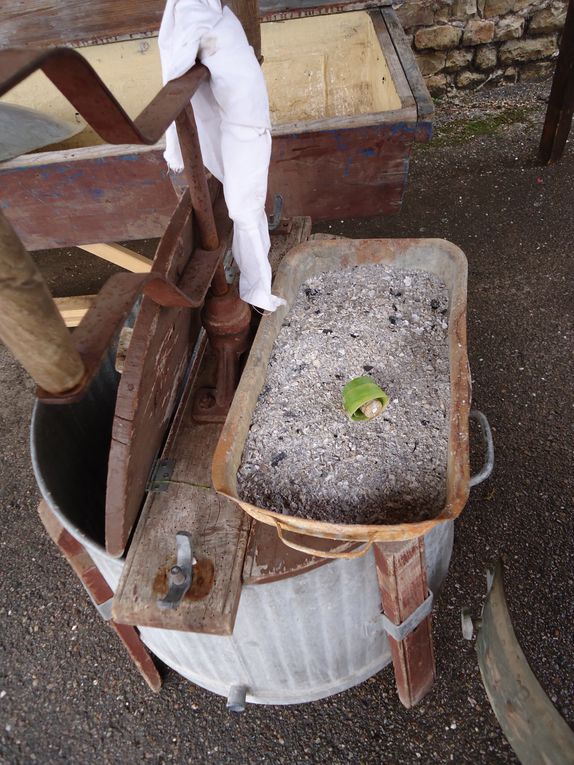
column 360, row 392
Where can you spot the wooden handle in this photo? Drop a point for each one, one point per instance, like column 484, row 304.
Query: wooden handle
column 30, row 323
column 319, row 553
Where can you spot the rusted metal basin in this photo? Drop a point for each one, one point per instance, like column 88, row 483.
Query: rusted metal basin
column 434, row 255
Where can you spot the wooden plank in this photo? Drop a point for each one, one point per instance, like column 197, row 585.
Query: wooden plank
column 218, row 527
column 120, row 256
column 560, row 109
column 391, row 57
column 424, row 103
column 356, row 172
column 64, row 22
column 282, row 10
column 103, row 194
column 149, row 388
column 73, row 309
column 100, row 592
column 401, row 571
column 61, row 22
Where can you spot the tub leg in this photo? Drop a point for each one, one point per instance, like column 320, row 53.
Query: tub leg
column 100, row 593
column 402, row 575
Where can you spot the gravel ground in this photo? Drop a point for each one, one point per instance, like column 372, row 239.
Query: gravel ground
column 303, row 455
column 67, row 693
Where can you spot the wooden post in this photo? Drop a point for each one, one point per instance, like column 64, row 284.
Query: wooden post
column 100, row 592
column 561, row 103
column 30, row 323
column 401, row 570
column 247, row 11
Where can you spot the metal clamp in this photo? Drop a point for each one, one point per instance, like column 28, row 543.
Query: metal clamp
column 488, row 466
column 179, row 576
column 104, row 609
column 275, row 219
column 400, row 631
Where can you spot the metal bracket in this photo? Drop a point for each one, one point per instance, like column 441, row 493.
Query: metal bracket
column 179, row 576
column 400, row 631
column 161, row 474
column 275, row 219
column 104, row 609
column 488, row 466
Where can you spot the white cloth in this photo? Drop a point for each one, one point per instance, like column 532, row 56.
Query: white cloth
column 232, row 115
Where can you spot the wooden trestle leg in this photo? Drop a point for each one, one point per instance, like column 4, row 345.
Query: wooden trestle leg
column 402, row 575
column 560, row 109
column 100, row 592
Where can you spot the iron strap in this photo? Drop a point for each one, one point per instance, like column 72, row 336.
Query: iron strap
column 400, row 631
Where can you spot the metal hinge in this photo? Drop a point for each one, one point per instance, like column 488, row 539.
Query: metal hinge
column 161, row 473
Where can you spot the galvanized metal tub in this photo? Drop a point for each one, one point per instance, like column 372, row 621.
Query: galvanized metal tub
column 320, row 255
column 294, row 640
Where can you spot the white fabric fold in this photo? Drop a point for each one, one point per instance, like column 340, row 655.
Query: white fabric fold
column 232, row 115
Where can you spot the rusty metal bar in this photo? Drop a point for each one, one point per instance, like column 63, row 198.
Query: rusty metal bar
column 82, row 86
column 196, row 178
column 106, row 315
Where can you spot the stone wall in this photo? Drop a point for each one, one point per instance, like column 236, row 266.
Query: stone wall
column 464, row 43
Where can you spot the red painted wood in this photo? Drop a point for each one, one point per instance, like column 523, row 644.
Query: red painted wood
column 51, row 22
column 90, row 576
column 355, row 172
column 401, row 571
column 151, row 384
column 120, row 197
column 156, row 360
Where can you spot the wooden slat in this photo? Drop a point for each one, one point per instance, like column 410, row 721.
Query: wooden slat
column 73, row 309
column 40, row 23
column 160, row 348
column 560, row 110
column 330, row 174
column 63, row 22
column 401, row 571
column 120, row 256
column 425, row 106
column 267, row 559
column 88, row 573
column 392, row 59
column 219, row 530
column 102, row 194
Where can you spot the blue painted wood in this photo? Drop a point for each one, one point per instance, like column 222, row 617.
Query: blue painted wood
column 122, row 196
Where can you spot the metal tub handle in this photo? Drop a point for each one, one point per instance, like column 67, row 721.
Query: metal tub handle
column 488, row 466
column 319, row 553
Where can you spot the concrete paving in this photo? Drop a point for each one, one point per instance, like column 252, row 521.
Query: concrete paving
column 67, row 691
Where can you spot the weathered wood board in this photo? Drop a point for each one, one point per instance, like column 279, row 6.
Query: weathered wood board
column 267, row 559
column 64, row 22
column 58, row 199
column 152, row 381
column 402, row 575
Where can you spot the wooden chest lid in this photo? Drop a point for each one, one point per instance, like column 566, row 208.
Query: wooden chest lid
column 72, row 22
